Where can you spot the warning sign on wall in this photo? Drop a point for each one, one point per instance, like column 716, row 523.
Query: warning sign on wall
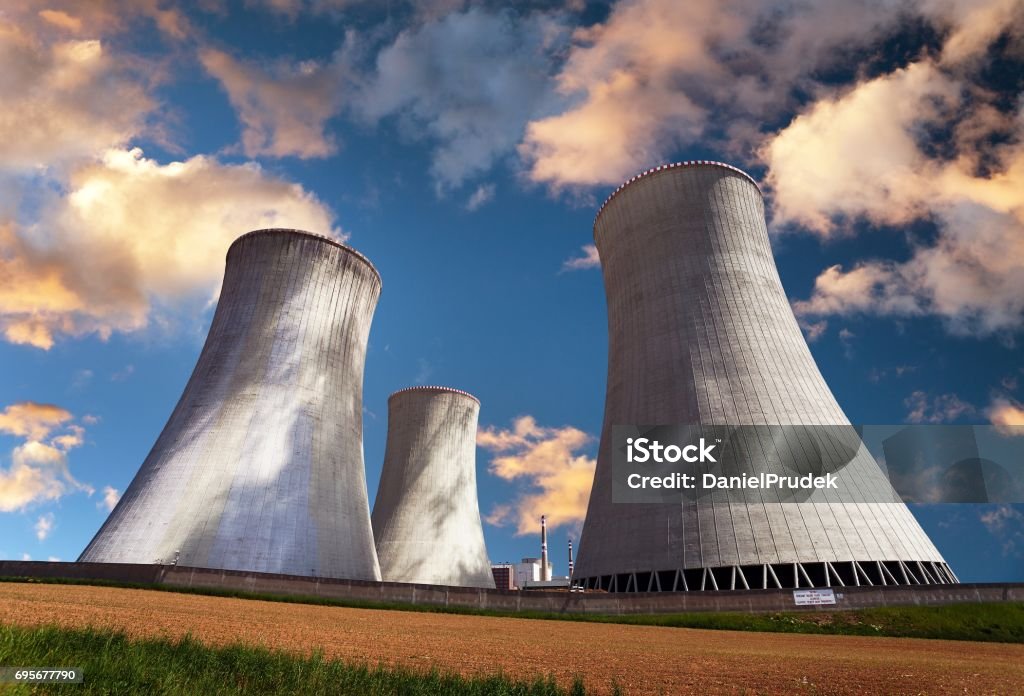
column 813, row 597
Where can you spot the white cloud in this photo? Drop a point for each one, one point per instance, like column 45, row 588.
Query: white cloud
column 61, row 19
column 38, row 473
column 555, row 477
column 32, row 420
column 468, row 82
column 589, row 259
column 645, row 82
column 997, row 518
column 110, row 497
column 862, row 154
column 39, row 469
column 131, row 235
column 44, row 525
column 94, row 236
column 64, row 100
column 974, row 25
column 627, row 106
column 856, row 153
column 846, row 340
column 81, row 378
column 1007, row 415
column 483, row 194
column 813, row 330
column 73, row 437
column 422, row 9
column 423, row 371
column 123, row 374
column 639, row 86
column 101, row 17
column 943, row 408
column 284, row 107
column 972, row 278
column 1006, row 523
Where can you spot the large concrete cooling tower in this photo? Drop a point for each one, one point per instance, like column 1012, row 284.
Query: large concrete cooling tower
column 701, row 333
column 426, row 518
column 260, row 466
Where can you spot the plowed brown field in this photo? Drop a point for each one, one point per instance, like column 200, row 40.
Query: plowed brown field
column 644, row 660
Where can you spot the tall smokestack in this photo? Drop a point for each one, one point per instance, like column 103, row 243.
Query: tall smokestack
column 545, row 569
column 570, row 559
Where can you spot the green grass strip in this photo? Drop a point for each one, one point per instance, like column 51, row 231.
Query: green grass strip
column 113, row 663
column 1001, row 622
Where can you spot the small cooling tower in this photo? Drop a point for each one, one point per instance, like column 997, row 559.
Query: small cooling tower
column 426, row 518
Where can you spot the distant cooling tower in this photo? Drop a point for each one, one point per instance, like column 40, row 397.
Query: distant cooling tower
column 426, row 519
column 260, row 467
column 701, row 332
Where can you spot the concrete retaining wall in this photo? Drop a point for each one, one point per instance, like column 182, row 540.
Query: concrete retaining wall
column 534, row 601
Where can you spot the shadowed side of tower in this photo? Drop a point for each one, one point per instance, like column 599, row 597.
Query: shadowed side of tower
column 260, row 466
column 701, row 332
column 426, row 518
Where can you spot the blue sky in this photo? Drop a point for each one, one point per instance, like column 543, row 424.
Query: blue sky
column 464, row 148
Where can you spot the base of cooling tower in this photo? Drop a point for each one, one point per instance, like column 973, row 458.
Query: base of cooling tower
column 780, row 576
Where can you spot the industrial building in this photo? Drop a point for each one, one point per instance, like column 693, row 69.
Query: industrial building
column 426, row 518
column 701, row 332
column 260, row 466
column 504, row 576
column 530, row 571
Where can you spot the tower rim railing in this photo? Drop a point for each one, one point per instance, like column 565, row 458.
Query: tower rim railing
column 667, row 167
column 268, row 231
column 434, row 388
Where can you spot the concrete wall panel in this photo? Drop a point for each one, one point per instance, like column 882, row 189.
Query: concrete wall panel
column 531, row 601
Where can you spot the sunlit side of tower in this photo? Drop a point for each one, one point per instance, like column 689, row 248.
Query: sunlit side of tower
column 260, row 466
column 426, row 517
column 701, row 332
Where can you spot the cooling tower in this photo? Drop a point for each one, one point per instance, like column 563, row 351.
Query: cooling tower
column 701, row 333
column 426, row 518
column 260, row 467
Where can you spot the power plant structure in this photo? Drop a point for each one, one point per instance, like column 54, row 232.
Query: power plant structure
column 571, row 563
column 260, row 466
column 533, row 573
column 701, row 333
column 426, row 517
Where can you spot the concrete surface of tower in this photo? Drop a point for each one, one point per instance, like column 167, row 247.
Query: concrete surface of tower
column 426, row 517
column 701, row 332
column 260, row 466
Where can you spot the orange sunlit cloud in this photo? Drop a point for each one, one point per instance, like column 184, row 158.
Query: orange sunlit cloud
column 548, row 461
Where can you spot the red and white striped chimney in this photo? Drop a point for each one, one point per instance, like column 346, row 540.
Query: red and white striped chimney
column 545, row 569
column 570, row 558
